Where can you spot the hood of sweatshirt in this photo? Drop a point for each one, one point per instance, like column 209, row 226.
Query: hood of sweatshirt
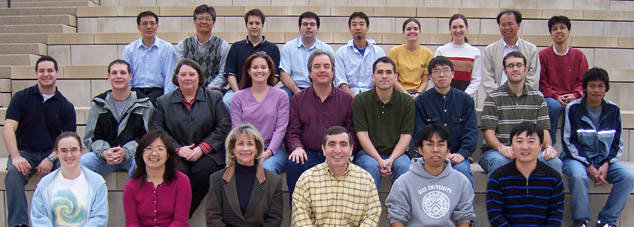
column 417, row 168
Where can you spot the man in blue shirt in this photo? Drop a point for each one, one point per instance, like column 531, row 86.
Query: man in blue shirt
column 35, row 117
column 355, row 59
column 151, row 59
column 295, row 53
column 452, row 108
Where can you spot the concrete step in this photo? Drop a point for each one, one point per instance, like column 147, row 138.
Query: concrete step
column 23, row 38
column 38, row 19
column 23, row 48
column 18, row 59
column 38, row 4
column 39, row 11
column 37, row 28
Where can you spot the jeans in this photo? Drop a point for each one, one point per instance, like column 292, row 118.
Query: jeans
column 294, row 170
column 277, row 162
column 198, row 173
column 368, row 163
column 464, row 167
column 619, row 175
column 493, row 159
column 554, row 111
column 100, row 166
column 227, row 99
column 14, row 183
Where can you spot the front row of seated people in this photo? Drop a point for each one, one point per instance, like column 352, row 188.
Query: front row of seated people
column 201, row 140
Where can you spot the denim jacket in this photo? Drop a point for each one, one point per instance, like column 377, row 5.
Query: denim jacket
column 588, row 143
column 456, row 110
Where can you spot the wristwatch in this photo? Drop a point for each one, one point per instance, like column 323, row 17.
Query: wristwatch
column 51, row 158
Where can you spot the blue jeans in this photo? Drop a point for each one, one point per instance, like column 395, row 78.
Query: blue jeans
column 294, row 170
column 100, row 166
column 464, row 167
column 368, row 163
column 554, row 111
column 493, row 159
column 289, row 92
column 227, row 99
column 277, row 162
column 619, row 175
column 14, row 183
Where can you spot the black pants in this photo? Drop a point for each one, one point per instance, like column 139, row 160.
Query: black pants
column 150, row 92
column 198, row 173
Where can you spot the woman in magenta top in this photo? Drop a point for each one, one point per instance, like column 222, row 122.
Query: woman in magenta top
column 266, row 107
column 157, row 194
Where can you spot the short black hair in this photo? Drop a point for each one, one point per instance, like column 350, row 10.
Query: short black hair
column 359, row 14
column 205, row 9
column 336, row 130
column 530, row 129
column 46, row 58
column 427, row 132
column 439, row 60
column 516, row 54
column 171, row 163
column 118, row 61
column 145, row 14
column 254, row 12
column 518, row 15
column 308, row 14
column 596, row 74
column 384, row 59
column 555, row 19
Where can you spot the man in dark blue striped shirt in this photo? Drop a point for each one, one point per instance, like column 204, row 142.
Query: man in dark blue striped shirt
column 525, row 191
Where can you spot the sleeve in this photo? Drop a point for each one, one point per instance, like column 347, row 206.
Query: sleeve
column 158, row 119
column 179, row 50
column 281, row 122
column 301, row 201
column 15, row 111
column 476, row 76
column 358, row 115
column 373, row 213
column 275, row 215
column 294, row 130
column 543, row 119
column 495, row 202
column 213, row 211
column 126, row 54
column 571, row 143
column 183, row 201
column 393, row 54
column 464, row 212
column 398, row 209
column 583, row 68
column 419, row 121
column 407, row 123
column 217, row 136
column 276, row 59
column 349, row 125
column 489, row 114
column 168, row 69
column 99, row 210
column 129, row 148
column 470, row 131
column 236, row 109
column 94, row 138
column 220, row 81
column 231, row 67
column 556, row 204
column 488, row 69
column 285, row 58
column 544, row 84
column 438, row 52
column 70, row 119
column 130, row 205
column 340, row 70
column 39, row 213
column 532, row 76
column 616, row 148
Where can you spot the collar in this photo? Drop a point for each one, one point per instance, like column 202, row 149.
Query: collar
column 506, row 88
column 435, row 92
column 300, row 43
column 230, row 171
column 36, row 91
column 540, row 169
column 330, row 173
column 555, row 50
column 198, row 41
column 140, row 43
column 263, row 40
column 516, row 43
column 605, row 107
column 177, row 96
column 367, row 38
column 393, row 99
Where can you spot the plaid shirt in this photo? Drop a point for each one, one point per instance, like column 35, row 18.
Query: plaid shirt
column 321, row 199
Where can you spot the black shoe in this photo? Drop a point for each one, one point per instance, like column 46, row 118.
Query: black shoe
column 599, row 224
column 578, row 223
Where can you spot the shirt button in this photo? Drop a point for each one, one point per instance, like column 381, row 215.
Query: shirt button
column 154, row 211
column 155, row 200
column 445, row 125
column 445, row 111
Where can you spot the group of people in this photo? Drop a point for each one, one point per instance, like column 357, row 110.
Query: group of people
column 168, row 121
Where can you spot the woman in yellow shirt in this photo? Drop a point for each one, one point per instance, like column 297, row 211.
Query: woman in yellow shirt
column 411, row 60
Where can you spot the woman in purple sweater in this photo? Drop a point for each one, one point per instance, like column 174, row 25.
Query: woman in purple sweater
column 259, row 103
column 157, row 194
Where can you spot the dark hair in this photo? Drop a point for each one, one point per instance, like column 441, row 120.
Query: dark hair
column 359, row 14
column 530, row 129
column 555, row 19
column 427, row 132
column 64, row 135
column 254, row 12
column 246, row 79
column 384, row 59
column 205, row 9
column 439, row 60
column 336, row 130
column 118, row 61
column 516, row 54
column 517, row 14
column 308, row 14
column 190, row 63
column 411, row 20
column 170, row 163
column 46, row 58
column 145, row 14
column 316, row 53
column 596, row 74
column 459, row 16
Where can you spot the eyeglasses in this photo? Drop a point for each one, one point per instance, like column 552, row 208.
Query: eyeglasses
column 71, row 151
column 443, row 70
column 205, row 19
column 511, row 66
column 158, row 150
column 306, row 24
column 509, row 24
column 146, row 23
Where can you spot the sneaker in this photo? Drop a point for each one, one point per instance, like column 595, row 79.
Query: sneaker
column 599, row 224
column 578, row 223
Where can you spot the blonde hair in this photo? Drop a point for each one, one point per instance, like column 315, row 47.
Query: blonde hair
column 250, row 132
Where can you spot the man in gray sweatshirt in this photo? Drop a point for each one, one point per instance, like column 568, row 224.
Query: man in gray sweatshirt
column 431, row 193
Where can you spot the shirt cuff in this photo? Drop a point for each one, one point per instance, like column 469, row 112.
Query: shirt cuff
column 205, row 147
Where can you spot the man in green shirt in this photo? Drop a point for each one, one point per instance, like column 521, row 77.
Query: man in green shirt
column 383, row 119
